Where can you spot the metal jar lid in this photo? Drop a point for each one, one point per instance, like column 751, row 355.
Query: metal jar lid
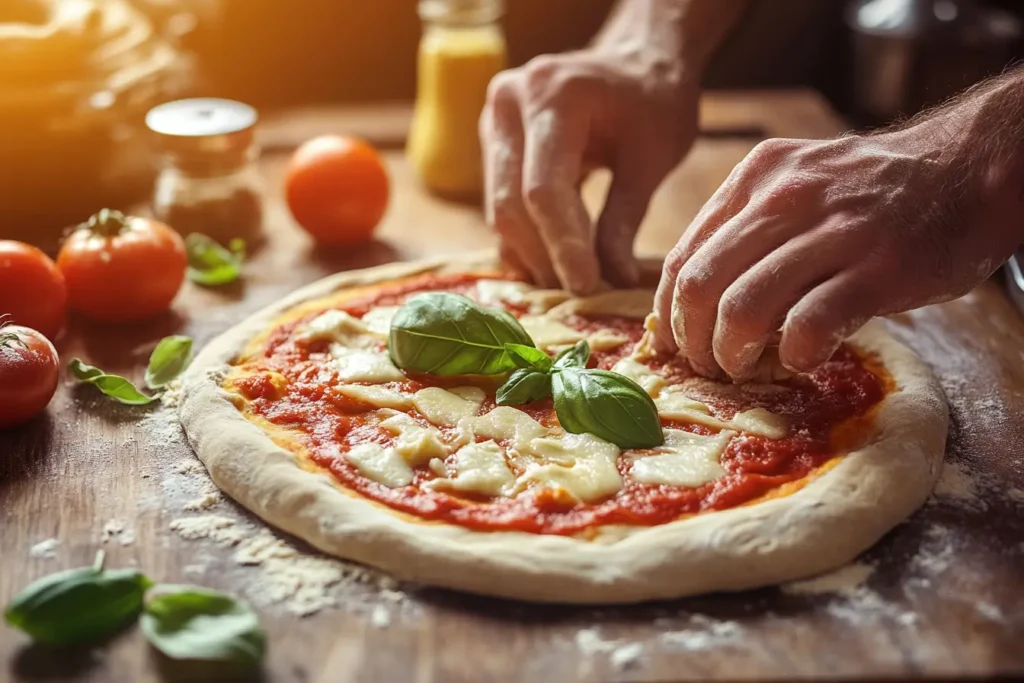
column 203, row 126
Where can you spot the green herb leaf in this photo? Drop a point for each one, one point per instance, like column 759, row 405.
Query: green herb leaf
column 607, row 405
column 170, row 357
column 574, row 357
column 80, row 605
column 528, row 357
column 193, row 623
column 210, row 264
column 114, row 386
column 523, row 386
column 448, row 334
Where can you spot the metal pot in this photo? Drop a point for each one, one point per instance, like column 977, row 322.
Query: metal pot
column 909, row 54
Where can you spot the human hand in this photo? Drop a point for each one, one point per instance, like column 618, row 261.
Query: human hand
column 548, row 123
column 820, row 236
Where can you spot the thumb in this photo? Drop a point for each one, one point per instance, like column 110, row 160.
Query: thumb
column 624, row 210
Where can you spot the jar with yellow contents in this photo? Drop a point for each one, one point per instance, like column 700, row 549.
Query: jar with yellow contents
column 462, row 48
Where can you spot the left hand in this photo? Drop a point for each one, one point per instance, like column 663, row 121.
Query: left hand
column 820, row 236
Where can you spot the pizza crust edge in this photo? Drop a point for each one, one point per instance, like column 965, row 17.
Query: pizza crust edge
column 822, row 526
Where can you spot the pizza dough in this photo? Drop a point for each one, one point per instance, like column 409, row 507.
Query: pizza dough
column 824, row 524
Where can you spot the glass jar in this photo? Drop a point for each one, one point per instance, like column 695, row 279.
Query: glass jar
column 208, row 181
column 462, row 49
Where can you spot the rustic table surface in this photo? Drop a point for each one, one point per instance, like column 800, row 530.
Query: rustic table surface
column 942, row 595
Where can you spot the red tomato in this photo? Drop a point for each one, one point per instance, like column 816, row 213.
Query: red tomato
column 32, row 291
column 337, row 189
column 29, row 371
column 122, row 268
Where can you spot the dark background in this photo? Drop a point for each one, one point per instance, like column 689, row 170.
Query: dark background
column 275, row 53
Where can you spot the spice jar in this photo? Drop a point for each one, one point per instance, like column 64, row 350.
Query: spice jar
column 462, row 49
column 208, row 181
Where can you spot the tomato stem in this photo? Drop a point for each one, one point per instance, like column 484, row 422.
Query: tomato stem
column 107, row 222
column 9, row 339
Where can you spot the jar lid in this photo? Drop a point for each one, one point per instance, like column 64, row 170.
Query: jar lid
column 203, row 125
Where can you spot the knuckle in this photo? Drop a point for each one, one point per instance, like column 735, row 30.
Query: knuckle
column 788, row 189
column 501, row 91
column 540, row 196
column 770, row 149
column 741, row 315
column 693, row 284
column 505, row 216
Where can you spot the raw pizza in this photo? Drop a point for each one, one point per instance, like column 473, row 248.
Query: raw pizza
column 303, row 415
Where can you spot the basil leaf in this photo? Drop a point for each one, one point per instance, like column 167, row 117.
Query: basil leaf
column 608, row 405
column 80, row 605
column 170, row 357
column 84, row 372
column 528, row 357
column 523, row 386
column 193, row 623
column 448, row 334
column 574, row 357
column 210, row 264
column 114, row 386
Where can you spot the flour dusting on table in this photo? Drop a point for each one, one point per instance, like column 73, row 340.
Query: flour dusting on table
column 44, row 550
column 844, row 580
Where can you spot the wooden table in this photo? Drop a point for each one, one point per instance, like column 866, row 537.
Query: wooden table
column 945, row 591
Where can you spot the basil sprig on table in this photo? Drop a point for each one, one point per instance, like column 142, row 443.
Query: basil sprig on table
column 194, row 623
column 90, row 604
column 448, row 334
column 79, row 605
column 210, row 264
column 168, row 360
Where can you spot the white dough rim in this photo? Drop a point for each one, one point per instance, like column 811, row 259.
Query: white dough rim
column 821, row 526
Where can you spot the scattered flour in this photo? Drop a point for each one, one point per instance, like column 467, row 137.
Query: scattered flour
column 380, row 617
column 221, row 530
column 44, row 550
column 704, row 633
column 302, row 583
column 590, row 642
column 936, row 554
column 956, row 482
column 842, row 581
column 204, row 502
column 189, row 467
column 626, row 656
column 115, row 530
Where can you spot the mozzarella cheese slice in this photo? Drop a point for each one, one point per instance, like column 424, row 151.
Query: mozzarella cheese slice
column 337, row 326
column 382, row 465
column 547, row 332
column 493, row 292
column 648, row 379
column 381, row 397
column 685, row 459
column 362, row 365
column 480, row 468
column 415, row 443
column 674, row 405
column 378, row 320
column 606, row 340
column 504, row 424
column 580, row 464
column 761, row 421
column 444, row 407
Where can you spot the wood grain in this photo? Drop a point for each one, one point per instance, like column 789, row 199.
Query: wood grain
column 945, row 597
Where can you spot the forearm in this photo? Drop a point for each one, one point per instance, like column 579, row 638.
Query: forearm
column 979, row 136
column 685, row 31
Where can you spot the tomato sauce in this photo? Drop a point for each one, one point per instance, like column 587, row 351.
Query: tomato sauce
column 329, row 424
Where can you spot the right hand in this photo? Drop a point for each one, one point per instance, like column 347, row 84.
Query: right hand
column 548, row 123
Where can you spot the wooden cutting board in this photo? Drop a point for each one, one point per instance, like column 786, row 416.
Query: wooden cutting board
column 942, row 595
